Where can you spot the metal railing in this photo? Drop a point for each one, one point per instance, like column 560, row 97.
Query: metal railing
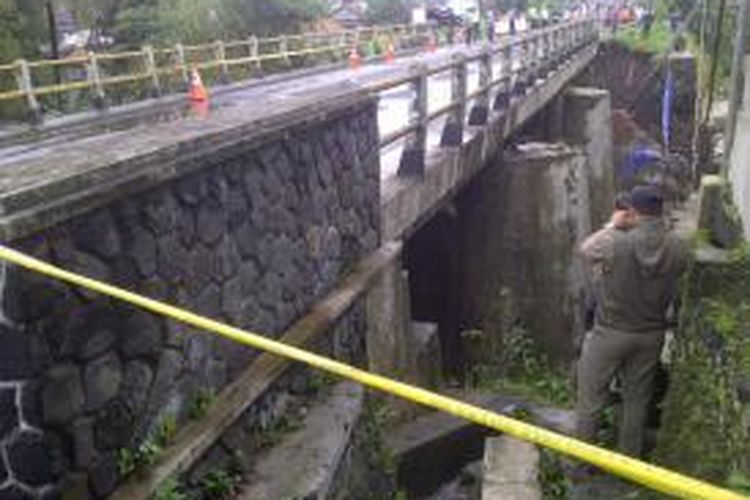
column 523, row 60
column 151, row 72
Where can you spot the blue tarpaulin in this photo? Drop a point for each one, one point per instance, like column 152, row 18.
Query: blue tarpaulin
column 638, row 159
column 666, row 109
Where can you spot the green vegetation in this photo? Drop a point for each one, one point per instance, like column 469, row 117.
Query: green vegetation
column 555, row 483
column 166, row 431
column 401, row 495
column 170, row 490
column 131, row 461
column 24, row 28
column 378, row 416
column 266, row 438
column 658, row 40
column 739, row 482
column 219, row 484
column 136, row 460
column 524, row 370
column 320, row 382
column 194, row 21
column 703, row 431
column 388, row 12
column 201, row 402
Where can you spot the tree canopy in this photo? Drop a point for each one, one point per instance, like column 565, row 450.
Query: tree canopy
column 202, row 20
column 388, row 11
column 24, row 27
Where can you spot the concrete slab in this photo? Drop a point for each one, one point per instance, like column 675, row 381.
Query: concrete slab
column 437, row 446
column 305, row 463
column 511, row 468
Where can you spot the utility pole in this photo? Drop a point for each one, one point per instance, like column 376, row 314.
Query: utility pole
column 715, row 59
column 735, row 89
column 52, row 26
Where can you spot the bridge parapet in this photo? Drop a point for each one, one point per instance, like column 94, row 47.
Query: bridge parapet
column 510, row 68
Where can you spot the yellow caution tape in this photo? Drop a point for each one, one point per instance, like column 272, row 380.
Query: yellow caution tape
column 651, row 476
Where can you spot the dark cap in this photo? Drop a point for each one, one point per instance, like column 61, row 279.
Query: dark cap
column 647, row 200
column 622, row 201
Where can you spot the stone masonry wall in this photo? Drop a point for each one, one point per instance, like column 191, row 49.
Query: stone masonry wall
column 238, row 446
column 253, row 239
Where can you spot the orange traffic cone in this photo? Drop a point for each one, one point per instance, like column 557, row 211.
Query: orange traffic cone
column 390, row 53
column 200, row 109
column 197, row 91
column 355, row 60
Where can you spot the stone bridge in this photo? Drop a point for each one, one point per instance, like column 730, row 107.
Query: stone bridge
column 370, row 214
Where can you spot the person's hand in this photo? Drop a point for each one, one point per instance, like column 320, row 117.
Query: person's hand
column 622, row 219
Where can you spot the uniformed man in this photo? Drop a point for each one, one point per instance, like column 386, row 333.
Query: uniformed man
column 634, row 264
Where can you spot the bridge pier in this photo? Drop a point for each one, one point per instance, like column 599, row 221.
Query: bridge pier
column 521, row 222
column 587, row 124
column 524, row 216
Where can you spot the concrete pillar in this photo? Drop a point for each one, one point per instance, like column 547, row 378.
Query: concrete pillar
column 739, row 173
column 588, row 124
column 522, row 221
column 389, row 322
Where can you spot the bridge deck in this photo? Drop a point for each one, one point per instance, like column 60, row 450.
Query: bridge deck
column 70, row 160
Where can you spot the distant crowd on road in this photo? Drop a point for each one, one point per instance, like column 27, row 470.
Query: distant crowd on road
column 634, row 14
column 470, row 26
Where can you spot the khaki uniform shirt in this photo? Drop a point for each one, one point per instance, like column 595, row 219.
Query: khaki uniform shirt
column 634, row 275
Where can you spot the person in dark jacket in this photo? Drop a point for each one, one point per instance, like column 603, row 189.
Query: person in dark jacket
column 634, row 265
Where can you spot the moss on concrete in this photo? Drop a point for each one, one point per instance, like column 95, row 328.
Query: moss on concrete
column 703, row 432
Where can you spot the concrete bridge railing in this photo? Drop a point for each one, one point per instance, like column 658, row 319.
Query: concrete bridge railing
column 155, row 71
column 523, row 60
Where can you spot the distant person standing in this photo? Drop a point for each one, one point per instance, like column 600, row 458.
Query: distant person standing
column 491, row 27
column 647, row 21
column 674, row 21
column 634, row 264
column 614, row 19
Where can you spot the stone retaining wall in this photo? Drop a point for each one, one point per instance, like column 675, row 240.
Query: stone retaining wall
column 253, row 237
column 636, row 82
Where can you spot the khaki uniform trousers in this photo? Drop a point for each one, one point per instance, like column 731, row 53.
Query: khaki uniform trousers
column 635, row 357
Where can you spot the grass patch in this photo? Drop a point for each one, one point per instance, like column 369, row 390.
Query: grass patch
column 170, row 490
column 131, row 461
column 202, row 401
column 219, row 484
column 552, row 478
column 525, row 371
column 657, row 41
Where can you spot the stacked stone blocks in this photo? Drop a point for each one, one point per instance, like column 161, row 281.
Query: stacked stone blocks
column 254, row 238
